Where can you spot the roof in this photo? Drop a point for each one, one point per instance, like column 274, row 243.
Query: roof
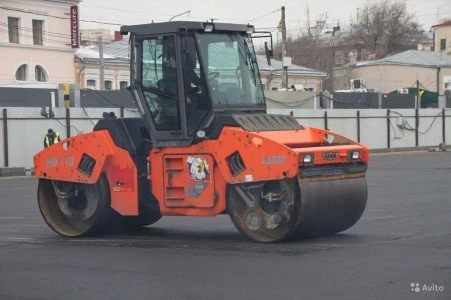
column 277, row 69
column 446, row 23
column 414, row 58
column 120, row 49
column 113, row 55
column 90, row 52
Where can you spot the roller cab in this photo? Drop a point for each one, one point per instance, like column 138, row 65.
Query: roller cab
column 203, row 146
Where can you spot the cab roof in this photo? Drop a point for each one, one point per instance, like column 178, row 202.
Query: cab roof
column 171, row 27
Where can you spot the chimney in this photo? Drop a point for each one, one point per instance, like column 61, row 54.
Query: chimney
column 336, row 28
column 118, row 36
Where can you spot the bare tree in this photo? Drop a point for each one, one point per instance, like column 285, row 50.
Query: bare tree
column 305, row 49
column 382, row 28
column 308, row 48
column 386, row 27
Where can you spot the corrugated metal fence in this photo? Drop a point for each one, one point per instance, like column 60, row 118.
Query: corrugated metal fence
column 22, row 130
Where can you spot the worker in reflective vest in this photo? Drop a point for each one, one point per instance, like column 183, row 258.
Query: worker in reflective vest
column 51, row 138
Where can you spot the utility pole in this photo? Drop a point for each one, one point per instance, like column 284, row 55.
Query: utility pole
column 283, row 28
column 417, row 104
column 357, row 18
column 102, row 65
column 437, row 16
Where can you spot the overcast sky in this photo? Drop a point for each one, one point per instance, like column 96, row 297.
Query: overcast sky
column 264, row 14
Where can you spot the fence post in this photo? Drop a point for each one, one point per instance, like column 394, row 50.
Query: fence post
column 417, row 124
column 388, row 129
column 67, row 122
column 358, row 126
column 443, row 126
column 325, row 121
column 5, row 137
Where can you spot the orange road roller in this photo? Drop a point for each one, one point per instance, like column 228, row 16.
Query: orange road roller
column 202, row 146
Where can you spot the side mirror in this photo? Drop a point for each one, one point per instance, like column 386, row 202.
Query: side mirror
column 268, row 48
column 269, row 53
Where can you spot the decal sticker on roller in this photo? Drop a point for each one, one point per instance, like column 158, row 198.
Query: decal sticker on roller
column 195, row 188
column 122, row 179
column 274, row 160
column 330, row 155
column 198, row 168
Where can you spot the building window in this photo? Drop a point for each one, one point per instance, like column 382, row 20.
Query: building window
column 37, row 32
column 40, row 74
column 22, row 73
column 13, row 30
column 108, row 85
column 442, row 44
column 123, row 85
column 91, row 84
column 339, row 57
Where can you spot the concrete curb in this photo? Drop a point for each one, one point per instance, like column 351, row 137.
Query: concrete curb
column 12, row 171
column 408, row 149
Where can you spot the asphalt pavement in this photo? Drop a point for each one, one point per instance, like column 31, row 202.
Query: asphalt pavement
column 400, row 249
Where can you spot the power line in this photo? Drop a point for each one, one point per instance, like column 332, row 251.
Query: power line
column 118, row 24
column 29, row 34
column 267, row 14
column 150, row 16
column 109, row 101
column 31, row 29
column 57, row 17
column 434, row 14
column 292, row 104
column 44, row 33
column 43, row 38
column 124, row 10
column 72, row 126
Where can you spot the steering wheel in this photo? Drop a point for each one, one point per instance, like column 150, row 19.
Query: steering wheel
column 212, row 75
column 168, row 86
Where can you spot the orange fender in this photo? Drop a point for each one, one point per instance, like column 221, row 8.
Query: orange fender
column 83, row 158
column 264, row 158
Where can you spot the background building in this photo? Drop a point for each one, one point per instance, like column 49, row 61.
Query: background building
column 35, row 42
column 301, row 77
column 432, row 70
column 91, row 36
column 442, row 37
column 116, row 66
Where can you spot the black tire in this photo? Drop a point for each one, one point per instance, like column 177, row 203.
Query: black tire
column 254, row 221
column 148, row 216
column 78, row 216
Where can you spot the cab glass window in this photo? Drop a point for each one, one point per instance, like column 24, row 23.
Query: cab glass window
column 159, row 81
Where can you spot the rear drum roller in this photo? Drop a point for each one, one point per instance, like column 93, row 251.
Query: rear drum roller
column 74, row 209
column 263, row 212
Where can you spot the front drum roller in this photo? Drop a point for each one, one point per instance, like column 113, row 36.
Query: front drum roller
column 330, row 206
column 274, row 211
column 74, row 209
